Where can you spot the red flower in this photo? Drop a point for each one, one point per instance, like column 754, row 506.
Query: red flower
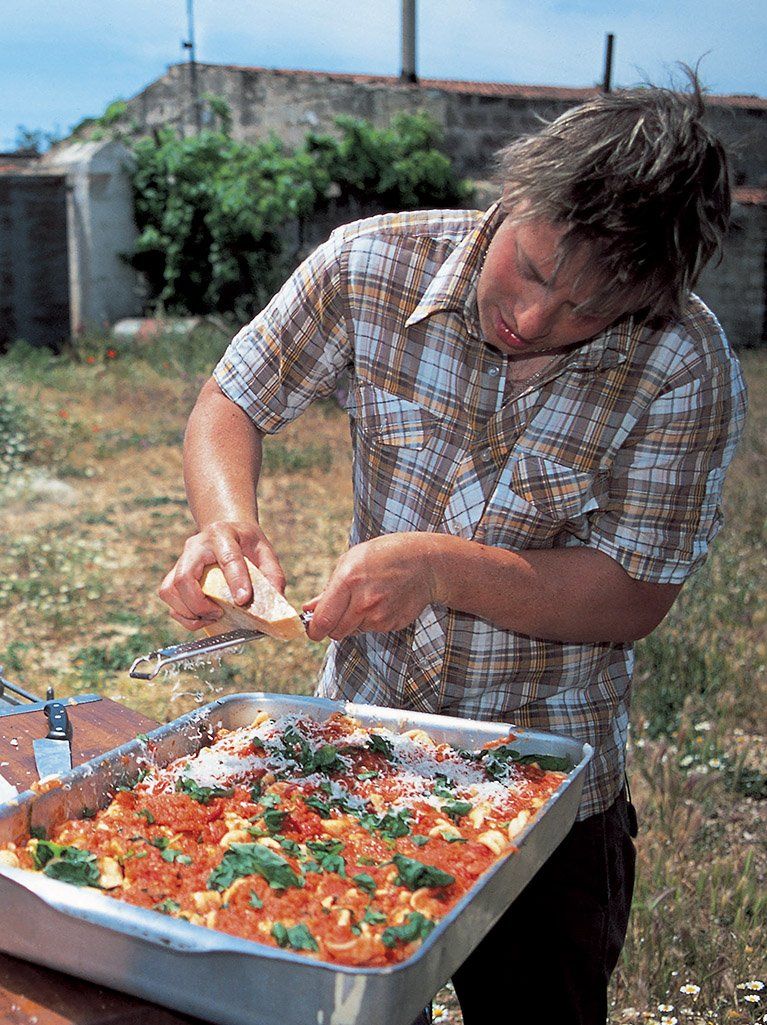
column 63, row 414
column 111, row 353
column 90, row 359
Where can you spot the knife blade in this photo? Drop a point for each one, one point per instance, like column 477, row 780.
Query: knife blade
column 53, row 753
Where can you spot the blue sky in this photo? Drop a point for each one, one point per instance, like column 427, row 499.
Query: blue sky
column 62, row 60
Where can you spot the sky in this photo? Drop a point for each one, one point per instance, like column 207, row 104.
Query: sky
column 62, row 60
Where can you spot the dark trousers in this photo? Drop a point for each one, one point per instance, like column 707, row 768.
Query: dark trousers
column 550, row 957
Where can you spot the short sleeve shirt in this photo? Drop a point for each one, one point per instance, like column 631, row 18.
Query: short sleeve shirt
column 619, row 445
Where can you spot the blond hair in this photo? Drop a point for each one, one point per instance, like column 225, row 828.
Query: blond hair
column 638, row 178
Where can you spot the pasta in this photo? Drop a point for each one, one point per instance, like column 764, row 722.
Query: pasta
column 345, row 842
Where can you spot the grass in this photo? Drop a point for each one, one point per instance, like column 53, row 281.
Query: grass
column 85, row 551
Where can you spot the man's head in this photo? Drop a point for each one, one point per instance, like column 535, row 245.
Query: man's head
column 635, row 179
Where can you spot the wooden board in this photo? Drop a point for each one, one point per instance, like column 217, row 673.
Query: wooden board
column 97, row 726
column 30, row 994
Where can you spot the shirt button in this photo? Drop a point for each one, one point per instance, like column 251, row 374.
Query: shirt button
column 493, row 371
column 486, row 455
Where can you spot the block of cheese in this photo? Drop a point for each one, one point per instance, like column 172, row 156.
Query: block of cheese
column 268, row 612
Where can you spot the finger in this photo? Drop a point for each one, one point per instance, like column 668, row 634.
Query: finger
column 329, row 610
column 231, row 559
column 169, row 593
column 187, row 622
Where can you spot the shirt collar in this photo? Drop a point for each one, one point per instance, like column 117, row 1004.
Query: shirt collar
column 454, row 286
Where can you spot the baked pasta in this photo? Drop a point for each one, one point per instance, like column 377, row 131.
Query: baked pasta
column 345, row 842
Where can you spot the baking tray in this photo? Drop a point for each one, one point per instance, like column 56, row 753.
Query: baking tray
column 234, row 981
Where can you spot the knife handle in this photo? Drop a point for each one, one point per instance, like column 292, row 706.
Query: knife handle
column 60, row 726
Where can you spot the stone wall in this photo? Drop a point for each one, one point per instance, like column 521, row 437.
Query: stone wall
column 478, row 118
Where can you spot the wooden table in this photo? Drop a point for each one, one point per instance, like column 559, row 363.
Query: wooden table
column 29, row 994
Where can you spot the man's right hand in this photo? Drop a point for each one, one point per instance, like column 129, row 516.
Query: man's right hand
column 225, row 543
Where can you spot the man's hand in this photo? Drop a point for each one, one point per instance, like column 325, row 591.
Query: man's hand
column 376, row 586
column 225, row 543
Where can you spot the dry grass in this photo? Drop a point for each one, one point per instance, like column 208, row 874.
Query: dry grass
column 90, row 531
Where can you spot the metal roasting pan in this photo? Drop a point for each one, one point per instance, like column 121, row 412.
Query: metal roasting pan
column 238, row 982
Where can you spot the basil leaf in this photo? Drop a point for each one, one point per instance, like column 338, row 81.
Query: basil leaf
column 498, row 761
column 274, row 819
column 417, row 927
column 380, row 745
column 415, row 874
column 296, row 936
column 419, row 839
column 373, row 917
column 167, row 906
column 203, row 795
column 145, row 813
column 68, row 864
column 365, row 882
column 255, row 900
column 391, row 826
column 457, row 809
column 246, row 859
column 328, row 855
column 172, row 855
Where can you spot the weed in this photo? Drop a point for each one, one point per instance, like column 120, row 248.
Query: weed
column 284, row 458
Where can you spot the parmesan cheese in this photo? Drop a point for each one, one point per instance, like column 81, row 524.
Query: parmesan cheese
column 268, row 612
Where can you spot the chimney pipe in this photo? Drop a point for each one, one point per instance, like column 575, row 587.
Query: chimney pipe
column 408, row 42
column 608, row 75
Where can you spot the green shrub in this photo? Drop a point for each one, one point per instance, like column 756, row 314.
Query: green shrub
column 216, row 217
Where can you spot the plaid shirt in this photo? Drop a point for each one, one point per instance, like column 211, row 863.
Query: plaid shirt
column 620, row 445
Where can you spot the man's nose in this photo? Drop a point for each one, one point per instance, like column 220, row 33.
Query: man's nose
column 534, row 319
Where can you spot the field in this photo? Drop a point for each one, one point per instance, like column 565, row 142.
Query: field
column 93, row 514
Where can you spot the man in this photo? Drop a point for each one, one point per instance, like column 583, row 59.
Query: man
column 542, row 416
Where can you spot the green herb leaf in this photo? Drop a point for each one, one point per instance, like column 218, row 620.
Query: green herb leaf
column 391, row 826
column 457, row 809
column 419, row 839
column 380, row 745
column 69, row 864
column 373, row 917
column 417, row 927
column 365, row 882
column 296, row 936
column 255, row 900
column 145, row 813
column 274, row 819
column 172, row 855
column 415, row 874
column 202, row 794
column 246, row 859
column 167, row 906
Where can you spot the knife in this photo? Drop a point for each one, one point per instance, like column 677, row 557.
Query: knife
column 53, row 754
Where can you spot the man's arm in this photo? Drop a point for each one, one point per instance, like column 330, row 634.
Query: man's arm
column 222, row 463
column 576, row 595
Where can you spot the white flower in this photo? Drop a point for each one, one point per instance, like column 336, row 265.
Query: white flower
column 690, row 989
column 752, row 998
column 671, row 1020
column 665, row 1008
column 715, row 763
column 687, row 760
column 702, row 727
column 755, row 984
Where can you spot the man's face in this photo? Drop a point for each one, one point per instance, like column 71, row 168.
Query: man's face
column 527, row 307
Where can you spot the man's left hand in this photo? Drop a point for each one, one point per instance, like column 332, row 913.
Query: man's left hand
column 376, row 586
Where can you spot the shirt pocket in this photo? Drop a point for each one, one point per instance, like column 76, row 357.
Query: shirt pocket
column 537, row 502
column 387, row 419
column 557, row 491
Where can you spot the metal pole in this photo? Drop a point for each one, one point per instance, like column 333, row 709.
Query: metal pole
column 607, row 80
column 408, row 42
column 193, row 87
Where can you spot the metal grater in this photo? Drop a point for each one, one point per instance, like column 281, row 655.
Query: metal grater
column 191, row 650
